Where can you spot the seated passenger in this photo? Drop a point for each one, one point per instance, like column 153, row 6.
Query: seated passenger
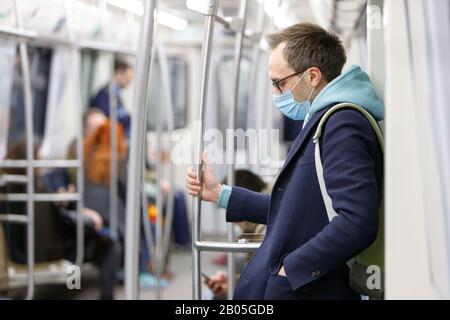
column 97, row 164
column 55, row 226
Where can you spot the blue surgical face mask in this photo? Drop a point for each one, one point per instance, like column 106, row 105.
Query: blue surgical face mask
column 291, row 108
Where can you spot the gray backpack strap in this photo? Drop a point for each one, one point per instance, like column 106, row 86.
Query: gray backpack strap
column 318, row 159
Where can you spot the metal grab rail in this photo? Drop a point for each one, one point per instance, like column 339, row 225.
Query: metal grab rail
column 198, row 245
column 30, row 163
column 17, row 32
column 237, row 25
column 75, row 65
column 13, row 218
column 226, row 247
column 40, row 197
column 165, row 79
column 30, row 153
column 22, row 164
column 206, row 61
column 136, row 152
column 32, row 36
column 159, row 252
column 159, row 196
column 231, row 263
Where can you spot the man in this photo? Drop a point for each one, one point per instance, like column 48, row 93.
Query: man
column 123, row 76
column 303, row 255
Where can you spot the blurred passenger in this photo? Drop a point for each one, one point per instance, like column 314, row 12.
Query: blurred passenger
column 123, row 76
column 304, row 255
column 93, row 118
column 97, row 164
column 55, row 225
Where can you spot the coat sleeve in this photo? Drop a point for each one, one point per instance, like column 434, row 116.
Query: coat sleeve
column 246, row 205
column 350, row 152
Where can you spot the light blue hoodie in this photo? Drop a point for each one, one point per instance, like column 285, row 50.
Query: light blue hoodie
column 353, row 86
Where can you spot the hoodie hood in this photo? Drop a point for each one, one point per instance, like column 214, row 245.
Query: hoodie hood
column 353, row 86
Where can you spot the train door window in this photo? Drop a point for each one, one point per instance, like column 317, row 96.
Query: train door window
column 178, row 90
column 156, row 99
column 40, row 60
column 178, row 77
column 7, row 61
column 88, row 61
column 225, row 70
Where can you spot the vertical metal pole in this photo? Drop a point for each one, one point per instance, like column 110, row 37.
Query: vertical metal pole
column 254, row 122
column 159, row 201
column 256, row 57
column 114, row 167
column 75, row 65
column 25, row 65
column 206, row 61
column 166, row 84
column 136, row 142
column 231, row 262
column 148, row 233
column 113, row 172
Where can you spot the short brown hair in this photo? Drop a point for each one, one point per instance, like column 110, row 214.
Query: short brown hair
column 121, row 64
column 308, row 45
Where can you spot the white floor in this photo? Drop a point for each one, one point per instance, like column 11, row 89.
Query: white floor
column 179, row 288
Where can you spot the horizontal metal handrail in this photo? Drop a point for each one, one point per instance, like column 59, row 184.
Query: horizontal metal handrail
column 223, row 21
column 106, row 47
column 40, row 197
column 12, row 179
column 41, row 163
column 83, row 44
column 226, row 247
column 17, row 32
column 14, row 218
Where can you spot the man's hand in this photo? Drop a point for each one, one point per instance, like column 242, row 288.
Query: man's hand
column 95, row 217
column 218, row 283
column 210, row 191
column 282, row 272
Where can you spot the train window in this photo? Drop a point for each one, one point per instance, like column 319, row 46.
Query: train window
column 225, row 69
column 178, row 76
column 88, row 60
column 7, row 61
column 178, row 80
column 40, row 60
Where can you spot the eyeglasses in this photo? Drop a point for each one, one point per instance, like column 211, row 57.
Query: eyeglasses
column 276, row 83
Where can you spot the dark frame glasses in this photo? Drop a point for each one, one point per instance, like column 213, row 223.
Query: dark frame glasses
column 276, row 83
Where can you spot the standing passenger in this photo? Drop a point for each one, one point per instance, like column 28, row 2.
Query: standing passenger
column 303, row 255
column 123, row 75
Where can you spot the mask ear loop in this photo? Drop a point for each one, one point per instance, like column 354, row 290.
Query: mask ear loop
column 309, row 98
column 298, row 81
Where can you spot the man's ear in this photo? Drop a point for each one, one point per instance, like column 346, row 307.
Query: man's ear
column 314, row 76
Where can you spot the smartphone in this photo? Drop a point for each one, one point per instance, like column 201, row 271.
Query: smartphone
column 206, row 277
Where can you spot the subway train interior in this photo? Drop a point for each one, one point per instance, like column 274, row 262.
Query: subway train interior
column 107, row 106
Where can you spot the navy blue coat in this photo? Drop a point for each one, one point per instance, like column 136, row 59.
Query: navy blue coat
column 299, row 236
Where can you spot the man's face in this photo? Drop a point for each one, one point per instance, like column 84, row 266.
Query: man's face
column 124, row 77
column 279, row 69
